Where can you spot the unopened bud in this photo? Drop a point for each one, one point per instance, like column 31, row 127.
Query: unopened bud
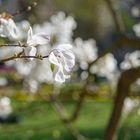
column 29, row 8
column 34, row 4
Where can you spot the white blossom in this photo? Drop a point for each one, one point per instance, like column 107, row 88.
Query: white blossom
column 8, row 27
column 23, row 27
column 64, row 60
column 131, row 60
column 60, row 28
column 107, row 65
column 85, row 52
column 129, row 105
column 5, row 107
column 136, row 29
column 135, row 11
column 33, row 41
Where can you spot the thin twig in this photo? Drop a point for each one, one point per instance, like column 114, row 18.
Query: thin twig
column 80, row 101
column 62, row 113
column 116, row 17
column 23, row 56
column 122, row 42
column 58, row 110
column 9, row 45
column 108, row 50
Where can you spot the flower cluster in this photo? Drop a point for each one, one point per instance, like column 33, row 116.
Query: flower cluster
column 60, row 56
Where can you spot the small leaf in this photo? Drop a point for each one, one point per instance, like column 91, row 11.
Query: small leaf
column 52, row 67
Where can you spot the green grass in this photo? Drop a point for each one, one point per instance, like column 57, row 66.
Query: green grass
column 40, row 122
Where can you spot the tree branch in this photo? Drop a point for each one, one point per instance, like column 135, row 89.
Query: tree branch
column 9, row 45
column 126, row 42
column 123, row 42
column 23, row 56
column 123, row 88
column 116, row 17
column 63, row 116
column 80, row 101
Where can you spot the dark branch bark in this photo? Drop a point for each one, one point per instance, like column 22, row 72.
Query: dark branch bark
column 79, row 105
column 123, row 42
column 116, row 17
column 123, row 87
column 63, row 116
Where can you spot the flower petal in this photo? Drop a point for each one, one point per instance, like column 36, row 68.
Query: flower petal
column 30, row 51
column 69, row 54
column 64, row 46
column 66, row 74
column 30, row 34
column 37, row 39
column 59, row 75
column 41, row 39
column 8, row 29
column 53, row 59
column 69, row 64
column 69, row 60
column 13, row 30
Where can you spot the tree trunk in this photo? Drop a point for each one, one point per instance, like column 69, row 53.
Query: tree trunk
column 123, row 87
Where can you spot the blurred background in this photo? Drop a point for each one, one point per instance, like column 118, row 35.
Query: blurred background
column 101, row 99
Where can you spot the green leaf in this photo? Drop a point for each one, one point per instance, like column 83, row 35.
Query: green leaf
column 52, row 67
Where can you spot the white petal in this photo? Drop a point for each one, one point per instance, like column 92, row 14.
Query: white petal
column 69, row 54
column 2, row 34
column 37, row 39
column 41, row 39
column 3, row 21
column 66, row 74
column 53, row 59
column 69, row 65
column 30, row 51
column 30, row 34
column 13, row 30
column 69, row 60
column 3, row 28
column 64, row 46
column 59, row 75
column 8, row 29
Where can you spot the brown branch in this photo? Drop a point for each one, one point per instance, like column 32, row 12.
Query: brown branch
column 56, row 106
column 23, row 56
column 111, row 49
column 116, row 17
column 122, row 42
column 9, row 45
column 123, row 88
column 80, row 102
column 135, row 42
column 132, row 42
column 64, row 117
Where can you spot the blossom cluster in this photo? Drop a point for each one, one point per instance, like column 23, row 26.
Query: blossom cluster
column 59, row 31
column 56, row 45
column 60, row 56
